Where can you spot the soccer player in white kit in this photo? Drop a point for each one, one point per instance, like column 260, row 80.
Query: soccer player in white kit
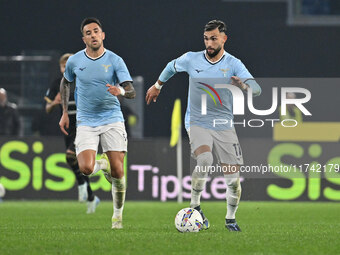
column 205, row 69
column 99, row 117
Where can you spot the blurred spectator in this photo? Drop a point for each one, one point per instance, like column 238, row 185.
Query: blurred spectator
column 52, row 96
column 9, row 116
column 46, row 123
column 53, row 100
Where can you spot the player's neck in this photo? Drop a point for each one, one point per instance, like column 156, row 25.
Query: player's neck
column 215, row 58
column 95, row 53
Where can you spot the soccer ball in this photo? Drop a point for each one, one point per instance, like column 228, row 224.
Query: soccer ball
column 188, row 220
column 2, row 191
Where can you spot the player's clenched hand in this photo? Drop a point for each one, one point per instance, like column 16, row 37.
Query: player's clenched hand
column 236, row 81
column 64, row 122
column 152, row 94
column 114, row 90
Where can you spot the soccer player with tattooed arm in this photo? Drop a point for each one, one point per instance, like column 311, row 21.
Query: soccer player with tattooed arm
column 205, row 69
column 96, row 70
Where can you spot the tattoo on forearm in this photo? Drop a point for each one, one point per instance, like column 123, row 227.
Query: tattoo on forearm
column 129, row 90
column 64, row 93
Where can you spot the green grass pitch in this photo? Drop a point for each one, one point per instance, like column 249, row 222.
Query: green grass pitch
column 267, row 228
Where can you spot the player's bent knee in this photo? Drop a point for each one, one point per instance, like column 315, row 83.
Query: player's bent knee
column 117, row 173
column 86, row 169
column 205, row 159
column 202, row 149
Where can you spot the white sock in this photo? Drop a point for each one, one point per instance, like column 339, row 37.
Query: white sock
column 118, row 196
column 199, row 177
column 233, row 194
column 197, row 186
column 98, row 165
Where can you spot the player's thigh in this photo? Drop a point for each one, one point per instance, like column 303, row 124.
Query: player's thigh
column 200, row 140
column 86, row 144
column 87, row 138
column 114, row 137
column 227, row 148
column 86, row 161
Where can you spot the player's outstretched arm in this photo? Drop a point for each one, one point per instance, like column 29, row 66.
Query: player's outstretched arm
column 166, row 74
column 65, row 95
column 153, row 92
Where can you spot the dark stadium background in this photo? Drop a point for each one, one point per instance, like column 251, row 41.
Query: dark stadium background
column 282, row 43
column 148, row 34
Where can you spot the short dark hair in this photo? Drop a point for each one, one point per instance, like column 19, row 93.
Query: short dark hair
column 89, row 21
column 213, row 24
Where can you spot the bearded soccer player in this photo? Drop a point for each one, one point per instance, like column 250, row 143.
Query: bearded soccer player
column 204, row 67
column 99, row 116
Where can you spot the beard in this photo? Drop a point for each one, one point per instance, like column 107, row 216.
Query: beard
column 214, row 53
column 95, row 48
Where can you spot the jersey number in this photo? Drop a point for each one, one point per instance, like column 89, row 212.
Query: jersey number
column 237, row 148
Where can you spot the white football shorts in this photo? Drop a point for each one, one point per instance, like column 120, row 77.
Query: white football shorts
column 224, row 144
column 112, row 137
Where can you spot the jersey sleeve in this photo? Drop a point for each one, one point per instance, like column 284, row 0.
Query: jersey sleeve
column 181, row 63
column 175, row 66
column 69, row 70
column 242, row 72
column 121, row 71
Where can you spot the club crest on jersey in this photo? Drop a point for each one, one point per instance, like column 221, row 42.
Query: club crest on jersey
column 106, row 68
column 224, row 71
